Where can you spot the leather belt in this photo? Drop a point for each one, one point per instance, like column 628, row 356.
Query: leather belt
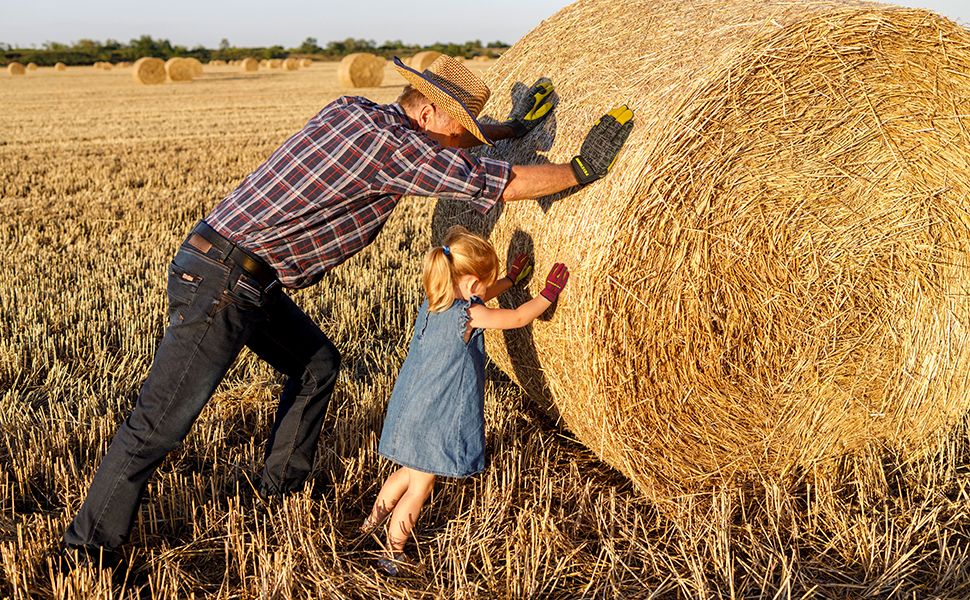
column 204, row 239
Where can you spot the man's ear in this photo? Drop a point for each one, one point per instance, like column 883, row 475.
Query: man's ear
column 425, row 115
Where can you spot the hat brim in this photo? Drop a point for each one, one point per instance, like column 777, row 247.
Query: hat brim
column 439, row 95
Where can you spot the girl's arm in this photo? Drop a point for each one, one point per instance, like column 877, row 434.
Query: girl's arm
column 483, row 317
column 519, row 270
column 497, row 289
column 506, row 318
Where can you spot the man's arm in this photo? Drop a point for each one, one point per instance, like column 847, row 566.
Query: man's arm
column 494, row 131
column 537, row 181
column 599, row 151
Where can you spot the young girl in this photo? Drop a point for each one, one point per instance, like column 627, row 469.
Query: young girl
column 435, row 417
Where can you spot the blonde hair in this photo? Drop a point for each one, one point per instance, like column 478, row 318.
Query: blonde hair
column 468, row 254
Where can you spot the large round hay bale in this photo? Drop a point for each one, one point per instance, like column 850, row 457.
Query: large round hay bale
column 422, row 60
column 60, row 67
column 361, row 69
column 291, row 64
column 149, row 71
column 196, row 66
column 15, row 68
column 32, row 66
column 775, row 273
column 249, row 64
column 179, row 69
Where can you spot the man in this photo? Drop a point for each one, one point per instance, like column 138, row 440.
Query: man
column 318, row 200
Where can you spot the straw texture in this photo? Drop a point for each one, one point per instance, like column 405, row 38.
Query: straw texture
column 179, row 69
column 15, row 68
column 249, row 64
column 361, row 69
column 422, row 60
column 149, row 71
column 776, row 271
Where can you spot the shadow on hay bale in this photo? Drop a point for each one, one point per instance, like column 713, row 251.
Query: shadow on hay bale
column 775, row 274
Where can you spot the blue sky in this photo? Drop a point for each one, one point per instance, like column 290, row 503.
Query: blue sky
column 261, row 23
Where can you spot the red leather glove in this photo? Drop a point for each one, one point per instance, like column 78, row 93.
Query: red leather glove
column 555, row 282
column 520, row 269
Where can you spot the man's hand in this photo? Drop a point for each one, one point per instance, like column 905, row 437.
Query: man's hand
column 520, row 269
column 531, row 108
column 602, row 144
column 555, row 282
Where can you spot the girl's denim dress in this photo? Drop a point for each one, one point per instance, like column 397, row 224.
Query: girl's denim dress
column 435, row 419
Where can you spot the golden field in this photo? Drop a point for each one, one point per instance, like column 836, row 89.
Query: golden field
column 101, row 178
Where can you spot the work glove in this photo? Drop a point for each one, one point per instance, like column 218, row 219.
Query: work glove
column 531, row 108
column 520, row 269
column 555, row 282
column 602, row 144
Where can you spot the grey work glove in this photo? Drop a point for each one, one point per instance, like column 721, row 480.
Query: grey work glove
column 531, row 108
column 602, row 144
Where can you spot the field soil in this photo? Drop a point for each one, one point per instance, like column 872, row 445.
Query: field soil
column 101, row 179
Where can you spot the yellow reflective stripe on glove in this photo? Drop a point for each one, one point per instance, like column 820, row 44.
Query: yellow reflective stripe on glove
column 540, row 91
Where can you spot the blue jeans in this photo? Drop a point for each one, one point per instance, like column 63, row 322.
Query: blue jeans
column 214, row 310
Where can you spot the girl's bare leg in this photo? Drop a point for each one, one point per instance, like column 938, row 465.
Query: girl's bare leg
column 392, row 490
column 406, row 511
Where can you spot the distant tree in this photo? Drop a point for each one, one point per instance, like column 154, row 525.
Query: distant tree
column 274, row 52
column 309, row 46
column 224, row 44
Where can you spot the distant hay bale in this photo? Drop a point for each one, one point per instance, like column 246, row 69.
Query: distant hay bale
column 291, row 64
column 31, row 66
column 15, row 68
column 775, row 273
column 361, row 69
column 60, row 67
column 423, row 60
column 179, row 69
column 482, row 58
column 249, row 65
column 306, row 62
column 103, row 65
column 275, row 63
column 123, row 64
column 217, row 63
column 196, row 66
column 149, row 71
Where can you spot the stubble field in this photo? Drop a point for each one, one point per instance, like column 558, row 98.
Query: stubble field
column 100, row 179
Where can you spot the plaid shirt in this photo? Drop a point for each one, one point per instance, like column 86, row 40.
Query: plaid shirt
column 325, row 193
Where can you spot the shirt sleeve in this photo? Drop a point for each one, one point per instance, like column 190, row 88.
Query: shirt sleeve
column 422, row 168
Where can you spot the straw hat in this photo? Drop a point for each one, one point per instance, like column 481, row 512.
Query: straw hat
column 448, row 84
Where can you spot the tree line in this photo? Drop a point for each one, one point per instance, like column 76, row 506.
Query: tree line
column 86, row 52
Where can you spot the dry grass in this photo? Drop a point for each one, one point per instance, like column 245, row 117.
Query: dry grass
column 361, row 70
column 422, row 60
column 777, row 271
column 149, row 71
column 92, row 208
column 179, row 69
